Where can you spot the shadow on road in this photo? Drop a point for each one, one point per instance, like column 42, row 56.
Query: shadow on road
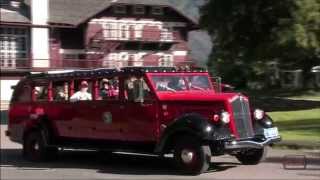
column 313, row 164
column 114, row 164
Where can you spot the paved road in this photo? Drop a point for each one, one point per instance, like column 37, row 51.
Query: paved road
column 91, row 165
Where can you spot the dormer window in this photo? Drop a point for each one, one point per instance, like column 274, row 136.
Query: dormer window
column 157, row 10
column 120, row 9
column 139, row 10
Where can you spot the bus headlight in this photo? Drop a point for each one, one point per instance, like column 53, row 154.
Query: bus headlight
column 225, row 117
column 258, row 114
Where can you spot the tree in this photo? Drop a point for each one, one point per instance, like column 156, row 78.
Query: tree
column 248, row 34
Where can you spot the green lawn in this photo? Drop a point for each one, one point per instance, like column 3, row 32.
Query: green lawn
column 302, row 125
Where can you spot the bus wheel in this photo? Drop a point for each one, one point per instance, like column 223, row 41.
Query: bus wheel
column 252, row 156
column 34, row 148
column 190, row 156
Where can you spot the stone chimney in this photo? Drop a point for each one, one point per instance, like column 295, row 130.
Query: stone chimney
column 40, row 33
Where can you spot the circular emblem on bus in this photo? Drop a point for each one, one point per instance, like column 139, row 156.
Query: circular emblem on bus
column 107, row 117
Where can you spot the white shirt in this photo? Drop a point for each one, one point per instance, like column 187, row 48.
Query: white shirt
column 80, row 96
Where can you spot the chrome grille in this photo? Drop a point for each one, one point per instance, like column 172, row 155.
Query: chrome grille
column 241, row 112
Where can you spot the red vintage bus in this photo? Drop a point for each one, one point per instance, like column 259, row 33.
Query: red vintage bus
column 137, row 109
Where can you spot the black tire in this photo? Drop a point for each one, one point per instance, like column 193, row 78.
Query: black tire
column 34, row 148
column 252, row 156
column 199, row 159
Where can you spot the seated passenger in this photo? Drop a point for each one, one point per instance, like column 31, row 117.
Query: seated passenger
column 60, row 94
column 108, row 89
column 115, row 88
column 163, row 85
column 178, row 84
column 129, row 92
column 104, row 91
column 82, row 94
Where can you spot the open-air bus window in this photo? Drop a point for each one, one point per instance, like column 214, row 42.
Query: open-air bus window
column 83, row 91
column 109, row 88
column 60, row 91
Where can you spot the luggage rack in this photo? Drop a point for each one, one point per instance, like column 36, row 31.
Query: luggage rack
column 109, row 71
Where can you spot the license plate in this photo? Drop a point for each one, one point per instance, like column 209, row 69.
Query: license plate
column 271, row 132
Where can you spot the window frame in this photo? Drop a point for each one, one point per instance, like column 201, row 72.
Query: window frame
column 74, row 88
column 14, row 45
column 136, row 10
column 126, row 99
column 156, row 10
column 99, row 84
column 120, row 9
column 41, row 83
column 53, row 90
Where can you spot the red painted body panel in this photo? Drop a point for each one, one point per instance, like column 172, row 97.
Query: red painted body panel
column 130, row 121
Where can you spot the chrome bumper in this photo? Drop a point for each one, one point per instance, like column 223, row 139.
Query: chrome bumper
column 250, row 144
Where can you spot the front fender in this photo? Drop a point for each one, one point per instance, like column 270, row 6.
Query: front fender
column 191, row 123
column 264, row 123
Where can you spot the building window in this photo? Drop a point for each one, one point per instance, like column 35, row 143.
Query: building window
column 166, row 60
column 107, row 30
column 139, row 10
column 120, row 9
column 71, row 56
column 124, row 31
column 166, row 34
column 157, row 10
column 13, row 47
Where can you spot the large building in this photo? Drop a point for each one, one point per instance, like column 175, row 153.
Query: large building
column 41, row 35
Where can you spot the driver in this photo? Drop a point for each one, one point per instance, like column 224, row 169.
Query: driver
column 163, row 85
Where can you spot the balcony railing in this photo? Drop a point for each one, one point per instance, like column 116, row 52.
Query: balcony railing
column 145, row 35
column 112, row 63
column 15, row 64
column 29, row 64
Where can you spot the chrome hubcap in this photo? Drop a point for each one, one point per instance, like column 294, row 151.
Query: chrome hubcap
column 187, row 156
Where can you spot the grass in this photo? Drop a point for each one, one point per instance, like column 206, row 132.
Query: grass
column 295, row 112
column 302, row 125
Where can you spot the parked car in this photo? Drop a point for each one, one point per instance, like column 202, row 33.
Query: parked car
column 137, row 109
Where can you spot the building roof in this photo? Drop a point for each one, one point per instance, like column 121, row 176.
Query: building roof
column 13, row 15
column 75, row 12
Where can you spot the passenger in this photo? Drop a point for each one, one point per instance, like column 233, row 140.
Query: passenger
column 141, row 90
column 116, row 87
column 60, row 94
column 129, row 92
column 104, row 91
column 108, row 90
column 163, row 85
column 181, row 85
column 37, row 92
column 40, row 93
column 82, row 94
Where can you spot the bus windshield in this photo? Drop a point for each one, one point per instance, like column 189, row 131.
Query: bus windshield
column 183, row 82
